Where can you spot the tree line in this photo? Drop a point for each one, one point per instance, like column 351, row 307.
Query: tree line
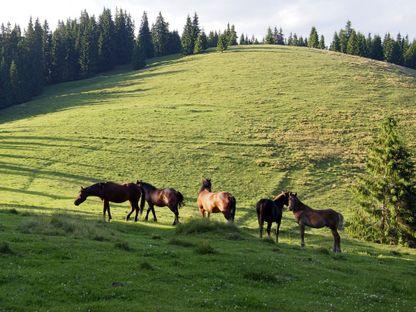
column 80, row 48
column 397, row 50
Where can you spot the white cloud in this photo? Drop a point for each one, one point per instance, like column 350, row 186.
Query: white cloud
column 249, row 16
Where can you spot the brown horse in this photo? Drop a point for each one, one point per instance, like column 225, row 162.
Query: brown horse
column 215, row 202
column 112, row 192
column 271, row 211
column 306, row 216
column 161, row 198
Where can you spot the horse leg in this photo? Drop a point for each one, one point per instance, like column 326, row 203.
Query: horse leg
column 202, row 211
column 261, row 223
column 337, row 240
column 208, row 214
column 176, row 212
column 132, row 209
column 302, row 234
column 135, row 205
column 154, row 214
column 269, row 227
column 147, row 212
column 107, row 207
column 277, row 231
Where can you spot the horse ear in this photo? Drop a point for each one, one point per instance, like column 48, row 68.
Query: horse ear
column 82, row 188
column 295, row 194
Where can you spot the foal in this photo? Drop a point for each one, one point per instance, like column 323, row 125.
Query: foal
column 317, row 219
column 271, row 211
column 112, row 192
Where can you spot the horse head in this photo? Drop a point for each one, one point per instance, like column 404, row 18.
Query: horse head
column 206, row 184
column 82, row 196
column 293, row 200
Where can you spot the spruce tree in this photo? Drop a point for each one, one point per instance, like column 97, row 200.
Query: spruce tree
column 352, row 46
column 232, row 36
column 160, row 36
column 145, row 37
column 123, row 37
column 410, row 56
column 269, row 39
column 321, row 44
column 195, row 29
column 313, row 41
column 139, row 56
column 336, row 43
column 242, row 40
column 106, row 41
column 391, row 50
column 386, row 192
column 198, row 45
column 222, row 42
column 174, row 43
column 187, row 37
column 376, row 51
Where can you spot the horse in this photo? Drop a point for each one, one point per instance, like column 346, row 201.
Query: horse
column 112, row 192
column 306, row 216
column 215, row 202
column 161, row 198
column 271, row 211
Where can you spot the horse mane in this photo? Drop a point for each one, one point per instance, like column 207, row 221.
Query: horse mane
column 299, row 205
column 204, row 186
column 279, row 197
column 148, row 186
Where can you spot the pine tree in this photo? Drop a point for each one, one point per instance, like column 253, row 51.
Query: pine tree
column 321, row 44
column 145, row 37
column 313, row 41
column 410, row 56
column 376, row 51
column 242, row 40
column 139, row 56
column 352, row 46
column 269, row 39
column 106, row 41
column 362, row 45
column 187, row 37
column 195, row 29
column 391, row 50
column 222, row 42
column 35, row 66
column 47, row 52
column 123, row 37
column 336, row 43
column 174, row 43
column 198, row 45
column 160, row 36
column 232, row 36
column 386, row 191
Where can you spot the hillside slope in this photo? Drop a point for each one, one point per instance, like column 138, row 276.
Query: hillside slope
column 255, row 119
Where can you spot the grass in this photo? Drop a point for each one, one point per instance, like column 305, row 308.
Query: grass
column 256, row 120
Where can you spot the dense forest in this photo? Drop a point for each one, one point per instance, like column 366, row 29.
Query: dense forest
column 80, row 48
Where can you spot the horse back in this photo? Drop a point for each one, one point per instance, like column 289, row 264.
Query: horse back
column 118, row 193
column 268, row 210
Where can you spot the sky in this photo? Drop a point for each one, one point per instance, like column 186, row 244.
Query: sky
column 249, row 16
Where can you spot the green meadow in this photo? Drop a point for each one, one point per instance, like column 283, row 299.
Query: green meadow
column 256, row 120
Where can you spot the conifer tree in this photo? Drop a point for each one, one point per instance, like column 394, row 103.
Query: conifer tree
column 313, row 41
column 187, row 37
column 269, row 39
column 391, row 50
column 106, row 41
column 145, row 37
column 123, row 37
column 242, row 40
column 410, row 56
column 376, row 51
column 336, row 43
column 174, row 43
column 386, row 191
column 321, row 44
column 352, row 46
column 198, row 45
column 139, row 56
column 160, row 36
column 232, row 36
column 222, row 42
column 195, row 29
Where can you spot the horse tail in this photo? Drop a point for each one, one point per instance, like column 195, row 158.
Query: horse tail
column 181, row 201
column 258, row 210
column 233, row 204
column 340, row 223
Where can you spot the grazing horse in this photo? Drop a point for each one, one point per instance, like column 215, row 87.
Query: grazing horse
column 215, row 202
column 161, row 198
column 306, row 216
column 271, row 211
column 112, row 192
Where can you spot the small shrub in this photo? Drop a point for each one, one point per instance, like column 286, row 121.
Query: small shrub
column 123, row 245
column 5, row 249
column 199, row 226
column 204, row 248
column 179, row 242
column 146, row 266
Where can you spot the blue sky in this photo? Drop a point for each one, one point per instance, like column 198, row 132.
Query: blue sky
column 251, row 17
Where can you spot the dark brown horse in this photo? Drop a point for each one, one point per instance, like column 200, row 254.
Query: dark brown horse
column 209, row 202
column 306, row 216
column 271, row 211
column 112, row 192
column 161, row 198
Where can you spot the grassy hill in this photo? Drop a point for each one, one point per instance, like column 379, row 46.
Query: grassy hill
column 256, row 120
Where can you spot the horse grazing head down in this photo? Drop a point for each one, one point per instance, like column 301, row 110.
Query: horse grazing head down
column 82, row 196
column 293, row 201
column 206, row 184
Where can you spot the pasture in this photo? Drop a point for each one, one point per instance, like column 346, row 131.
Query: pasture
column 256, row 120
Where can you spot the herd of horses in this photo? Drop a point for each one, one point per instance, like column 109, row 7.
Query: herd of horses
column 268, row 210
